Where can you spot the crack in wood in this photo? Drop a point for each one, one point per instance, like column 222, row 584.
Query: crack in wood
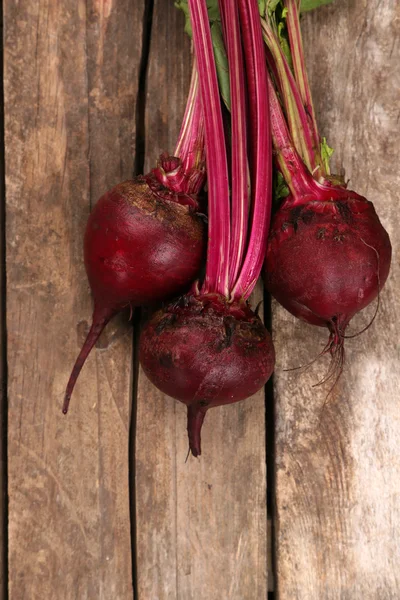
column 140, row 151
column 140, row 145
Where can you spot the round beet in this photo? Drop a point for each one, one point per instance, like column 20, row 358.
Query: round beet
column 209, row 348
column 327, row 260
column 205, row 352
column 143, row 243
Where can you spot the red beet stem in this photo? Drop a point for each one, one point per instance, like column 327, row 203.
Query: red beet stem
column 296, row 174
column 240, row 195
column 101, row 317
column 261, row 160
column 299, row 68
column 195, row 418
column 190, row 146
column 295, row 112
column 300, row 181
column 184, row 172
column 217, row 268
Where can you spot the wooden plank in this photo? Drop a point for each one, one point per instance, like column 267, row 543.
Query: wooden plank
column 201, row 525
column 3, row 359
column 337, row 465
column 71, row 71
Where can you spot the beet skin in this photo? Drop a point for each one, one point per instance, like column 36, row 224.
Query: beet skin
column 206, row 352
column 143, row 243
column 141, row 247
column 327, row 260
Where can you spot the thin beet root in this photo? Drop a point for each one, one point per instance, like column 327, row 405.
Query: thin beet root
column 206, row 352
column 143, row 243
column 99, row 321
column 195, row 419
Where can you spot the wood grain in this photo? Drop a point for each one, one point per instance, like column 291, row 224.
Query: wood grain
column 3, row 358
column 71, row 71
column 201, row 525
column 337, row 463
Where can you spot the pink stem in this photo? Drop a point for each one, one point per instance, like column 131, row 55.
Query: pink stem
column 217, row 269
column 184, row 172
column 190, row 146
column 261, row 164
column 295, row 112
column 302, row 185
column 299, row 67
column 184, row 134
column 240, row 195
column 296, row 175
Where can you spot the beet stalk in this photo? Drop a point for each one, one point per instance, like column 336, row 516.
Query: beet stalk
column 144, row 240
column 209, row 348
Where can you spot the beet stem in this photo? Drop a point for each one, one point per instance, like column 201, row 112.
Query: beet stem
column 294, row 109
column 190, row 145
column 261, row 167
column 195, row 418
column 296, row 174
column 240, row 196
column 100, row 319
column 300, row 74
column 217, row 268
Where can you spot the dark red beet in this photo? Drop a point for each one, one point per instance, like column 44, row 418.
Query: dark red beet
column 206, row 352
column 327, row 260
column 209, row 348
column 141, row 246
column 143, row 243
column 328, row 255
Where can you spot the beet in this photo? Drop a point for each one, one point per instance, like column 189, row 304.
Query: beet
column 143, row 243
column 327, row 260
column 144, row 240
column 141, row 246
column 208, row 348
column 328, row 255
column 206, row 352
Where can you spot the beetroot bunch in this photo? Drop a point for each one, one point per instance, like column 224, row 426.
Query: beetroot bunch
column 326, row 255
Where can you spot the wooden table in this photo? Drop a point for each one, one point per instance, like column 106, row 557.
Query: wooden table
column 101, row 504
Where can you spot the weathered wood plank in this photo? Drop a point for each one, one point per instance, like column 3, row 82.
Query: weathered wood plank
column 3, row 359
column 71, row 71
column 338, row 466
column 201, row 526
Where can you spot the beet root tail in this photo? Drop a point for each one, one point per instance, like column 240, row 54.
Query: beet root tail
column 99, row 321
column 195, row 418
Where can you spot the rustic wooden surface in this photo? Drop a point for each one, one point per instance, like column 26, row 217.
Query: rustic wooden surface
column 201, row 525
column 71, row 77
column 71, row 71
column 3, row 358
column 338, row 466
